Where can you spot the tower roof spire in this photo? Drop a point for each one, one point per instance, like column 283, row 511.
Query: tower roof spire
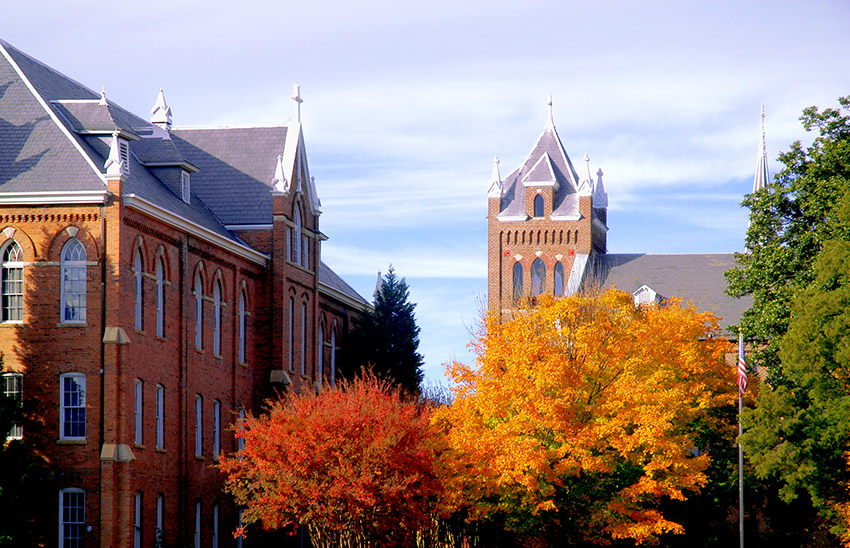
column 161, row 112
column 550, row 122
column 762, row 177
column 296, row 109
column 494, row 189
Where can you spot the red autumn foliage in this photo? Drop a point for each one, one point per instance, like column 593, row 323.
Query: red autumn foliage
column 354, row 464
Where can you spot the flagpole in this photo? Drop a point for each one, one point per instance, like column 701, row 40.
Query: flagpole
column 740, row 448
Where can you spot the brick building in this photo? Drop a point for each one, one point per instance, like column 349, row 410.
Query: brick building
column 548, row 233
column 157, row 281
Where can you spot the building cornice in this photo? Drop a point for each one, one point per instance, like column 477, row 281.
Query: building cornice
column 143, row 206
column 342, row 297
column 54, row 198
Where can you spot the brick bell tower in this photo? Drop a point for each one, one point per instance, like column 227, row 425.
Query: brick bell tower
column 544, row 225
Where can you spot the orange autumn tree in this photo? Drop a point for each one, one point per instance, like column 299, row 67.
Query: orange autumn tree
column 354, row 465
column 575, row 422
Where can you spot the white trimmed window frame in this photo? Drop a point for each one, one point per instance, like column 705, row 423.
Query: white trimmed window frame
column 160, row 298
column 13, row 387
column 291, row 333
column 185, row 186
column 72, row 517
column 72, row 406
column 137, row 520
column 139, row 278
column 303, row 339
column 320, row 353
column 160, row 416
column 198, row 524
column 199, row 425
column 13, row 283
column 216, row 429
column 217, row 318
column 215, row 527
column 73, row 282
column 242, row 321
column 138, row 411
column 159, row 515
column 199, row 312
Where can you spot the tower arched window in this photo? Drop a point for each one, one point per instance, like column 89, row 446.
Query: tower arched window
column 139, row 290
column 333, row 357
column 559, row 279
column 291, row 331
column 303, row 338
column 296, row 236
column 73, row 266
column 538, row 206
column 320, row 356
column 517, row 281
column 538, row 277
column 13, row 282
column 217, row 318
column 199, row 312
column 242, row 317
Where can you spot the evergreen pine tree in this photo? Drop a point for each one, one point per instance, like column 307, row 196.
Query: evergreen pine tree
column 386, row 340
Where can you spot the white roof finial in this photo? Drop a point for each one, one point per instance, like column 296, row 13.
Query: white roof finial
column 762, row 177
column 102, row 101
column 114, row 164
column 161, row 112
column 600, row 197
column 296, row 111
column 586, row 159
column 279, row 182
column 551, row 121
column 495, row 188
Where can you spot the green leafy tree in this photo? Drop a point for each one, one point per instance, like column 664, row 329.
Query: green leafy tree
column 796, row 267
column 386, row 340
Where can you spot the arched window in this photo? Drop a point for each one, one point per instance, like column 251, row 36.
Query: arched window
column 291, row 331
column 216, row 429
column 296, row 236
column 73, row 266
column 517, row 281
column 559, row 279
column 240, row 442
column 13, row 283
column 242, row 314
column 160, row 416
column 199, row 312
column 320, row 353
column 160, row 299
column 139, row 278
column 538, row 206
column 333, row 357
column 303, row 338
column 538, row 277
column 137, row 520
column 217, row 318
column 199, row 425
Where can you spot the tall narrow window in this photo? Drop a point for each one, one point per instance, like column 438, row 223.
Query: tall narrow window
column 240, row 442
column 72, row 518
column 517, row 281
column 333, row 357
column 538, row 206
column 216, row 429
column 239, row 526
column 291, row 327
column 296, row 235
column 137, row 521
column 320, row 353
column 303, row 338
column 137, row 411
column 13, row 283
column 559, row 279
column 199, row 312
column 305, row 262
column 140, row 298
column 72, row 413
column 217, row 318
column 538, row 277
column 215, row 527
column 13, row 389
column 242, row 314
column 160, row 417
column 73, row 266
column 197, row 525
column 159, row 532
column 160, row 299
column 185, row 186
column 160, row 513
column 199, row 426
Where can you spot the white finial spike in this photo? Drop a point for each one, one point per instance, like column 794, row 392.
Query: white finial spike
column 114, row 165
column 495, row 187
column 762, row 177
column 161, row 112
column 296, row 111
column 551, row 121
column 586, row 159
column 279, row 182
column 102, row 101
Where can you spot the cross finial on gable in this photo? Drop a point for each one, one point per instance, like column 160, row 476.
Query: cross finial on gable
column 161, row 112
column 551, row 121
column 296, row 110
column 103, row 102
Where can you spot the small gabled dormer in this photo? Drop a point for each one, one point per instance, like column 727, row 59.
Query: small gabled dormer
column 646, row 295
column 185, row 186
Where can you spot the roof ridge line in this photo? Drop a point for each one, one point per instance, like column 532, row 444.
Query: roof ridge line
column 248, row 126
column 41, row 101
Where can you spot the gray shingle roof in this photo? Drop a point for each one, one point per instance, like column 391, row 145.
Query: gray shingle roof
column 237, row 167
column 332, row 280
column 697, row 278
column 538, row 169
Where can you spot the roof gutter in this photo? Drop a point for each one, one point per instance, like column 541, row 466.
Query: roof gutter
column 342, row 297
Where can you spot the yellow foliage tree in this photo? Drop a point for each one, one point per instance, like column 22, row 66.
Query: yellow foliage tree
column 576, row 420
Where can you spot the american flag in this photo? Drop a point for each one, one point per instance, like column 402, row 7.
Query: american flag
column 742, row 371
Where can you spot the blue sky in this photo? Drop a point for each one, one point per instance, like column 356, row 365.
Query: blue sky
column 406, row 103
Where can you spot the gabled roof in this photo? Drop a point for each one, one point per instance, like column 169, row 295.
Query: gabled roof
column 697, row 278
column 337, row 286
column 546, row 164
column 237, row 166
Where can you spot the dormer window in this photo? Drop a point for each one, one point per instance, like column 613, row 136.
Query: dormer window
column 538, row 206
column 185, row 185
column 646, row 295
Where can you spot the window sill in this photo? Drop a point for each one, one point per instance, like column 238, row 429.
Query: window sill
column 243, row 364
column 71, row 442
column 11, row 324
column 200, row 457
column 218, row 356
column 160, row 450
column 200, row 351
column 139, row 331
column 138, row 446
column 72, row 324
column 161, row 338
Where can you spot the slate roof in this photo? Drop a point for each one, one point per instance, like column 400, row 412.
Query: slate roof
column 237, row 167
column 697, row 278
column 547, row 163
column 330, row 279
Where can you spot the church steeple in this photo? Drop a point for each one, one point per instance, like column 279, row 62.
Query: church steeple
column 762, row 178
